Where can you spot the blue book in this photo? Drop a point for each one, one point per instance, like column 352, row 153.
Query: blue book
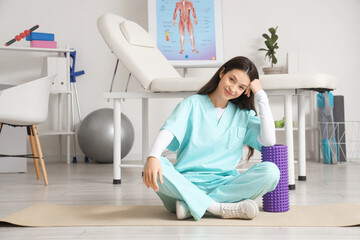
column 40, row 36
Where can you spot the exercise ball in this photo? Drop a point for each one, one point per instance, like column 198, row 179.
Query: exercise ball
column 96, row 135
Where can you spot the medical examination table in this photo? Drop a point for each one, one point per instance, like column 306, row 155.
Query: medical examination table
column 137, row 51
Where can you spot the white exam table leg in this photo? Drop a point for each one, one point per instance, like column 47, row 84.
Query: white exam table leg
column 117, row 141
column 289, row 140
column 145, row 129
column 302, row 132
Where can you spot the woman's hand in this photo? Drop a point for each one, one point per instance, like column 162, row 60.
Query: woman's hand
column 151, row 170
column 254, row 87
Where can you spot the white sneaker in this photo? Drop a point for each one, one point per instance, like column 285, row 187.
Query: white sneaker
column 182, row 210
column 247, row 209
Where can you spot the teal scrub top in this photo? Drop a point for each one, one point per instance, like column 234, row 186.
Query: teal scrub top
column 209, row 149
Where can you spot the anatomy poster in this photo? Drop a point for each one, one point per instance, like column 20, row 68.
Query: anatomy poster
column 186, row 29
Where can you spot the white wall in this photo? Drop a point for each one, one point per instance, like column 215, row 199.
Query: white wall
column 326, row 31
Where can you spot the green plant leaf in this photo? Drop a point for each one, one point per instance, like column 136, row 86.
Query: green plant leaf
column 266, row 36
column 274, row 60
column 270, row 43
column 273, row 30
column 274, row 38
column 263, row 49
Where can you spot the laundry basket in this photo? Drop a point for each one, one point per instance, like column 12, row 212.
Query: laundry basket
column 340, row 141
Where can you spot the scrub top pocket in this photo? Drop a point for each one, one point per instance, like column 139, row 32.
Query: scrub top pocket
column 236, row 137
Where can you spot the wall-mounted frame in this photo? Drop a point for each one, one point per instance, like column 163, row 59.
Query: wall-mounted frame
column 200, row 19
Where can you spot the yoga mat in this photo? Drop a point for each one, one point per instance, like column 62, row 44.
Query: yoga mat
column 50, row 215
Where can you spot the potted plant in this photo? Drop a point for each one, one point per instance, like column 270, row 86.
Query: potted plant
column 271, row 46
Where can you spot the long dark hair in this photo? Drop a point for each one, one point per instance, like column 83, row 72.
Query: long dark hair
column 243, row 102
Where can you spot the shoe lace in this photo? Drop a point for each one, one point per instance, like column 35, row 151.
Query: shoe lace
column 232, row 210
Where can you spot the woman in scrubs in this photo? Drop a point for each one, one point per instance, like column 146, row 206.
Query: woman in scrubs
column 209, row 130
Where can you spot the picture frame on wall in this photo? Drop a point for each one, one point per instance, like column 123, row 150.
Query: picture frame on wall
column 187, row 32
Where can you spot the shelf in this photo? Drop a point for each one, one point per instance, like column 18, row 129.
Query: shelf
column 31, row 49
column 296, row 129
column 54, row 132
column 6, row 86
column 60, row 91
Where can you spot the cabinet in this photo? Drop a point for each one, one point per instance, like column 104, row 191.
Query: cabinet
column 61, row 93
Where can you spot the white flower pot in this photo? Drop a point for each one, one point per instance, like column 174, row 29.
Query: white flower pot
column 272, row 70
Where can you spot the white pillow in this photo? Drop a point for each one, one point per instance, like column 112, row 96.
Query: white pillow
column 136, row 35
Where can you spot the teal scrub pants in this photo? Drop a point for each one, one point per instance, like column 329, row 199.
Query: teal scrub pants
column 256, row 181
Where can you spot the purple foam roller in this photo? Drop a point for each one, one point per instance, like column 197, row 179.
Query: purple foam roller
column 278, row 199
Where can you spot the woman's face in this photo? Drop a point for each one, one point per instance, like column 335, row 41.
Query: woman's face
column 233, row 84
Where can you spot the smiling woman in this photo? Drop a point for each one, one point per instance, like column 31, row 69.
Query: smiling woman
column 230, row 87
column 241, row 70
column 209, row 130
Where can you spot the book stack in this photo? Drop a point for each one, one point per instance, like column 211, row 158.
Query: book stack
column 41, row 40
